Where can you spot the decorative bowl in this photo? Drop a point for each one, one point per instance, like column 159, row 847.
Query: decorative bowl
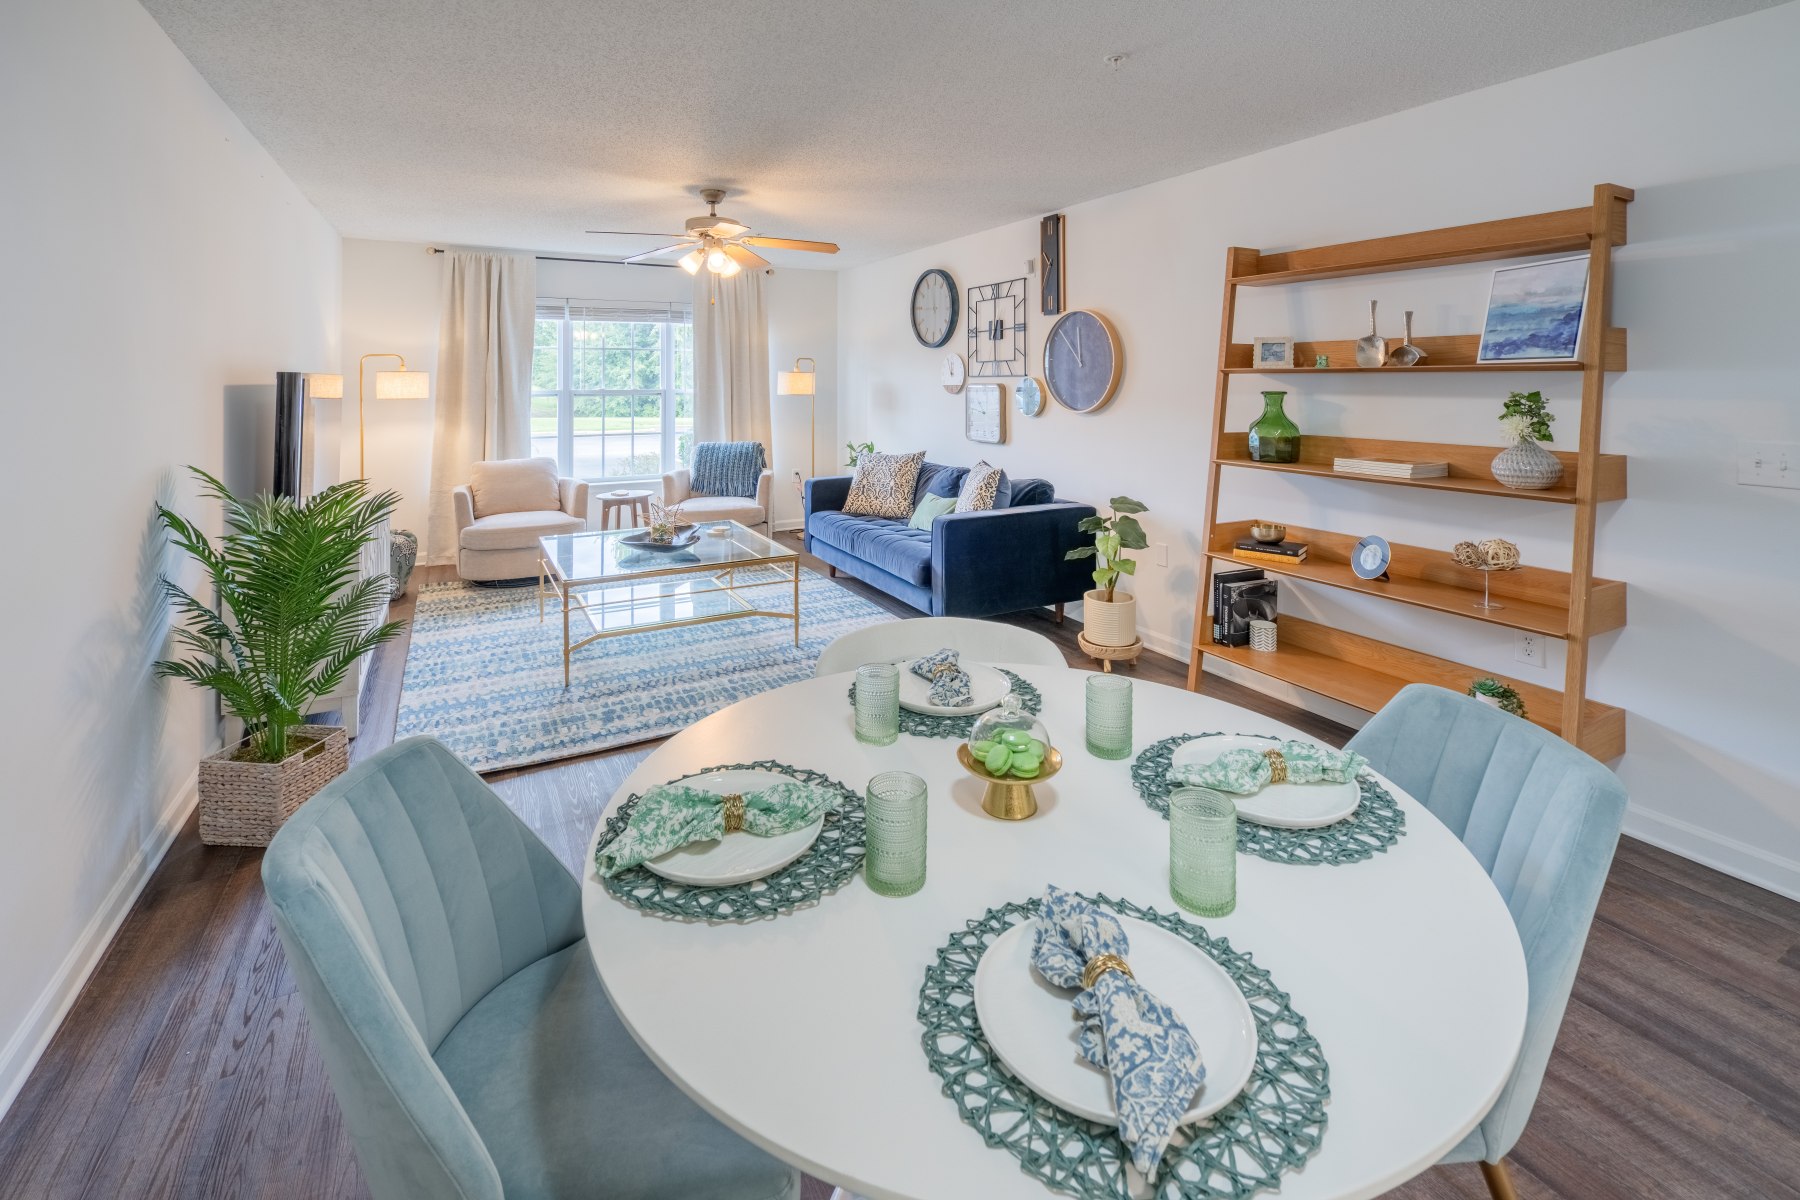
column 1268, row 532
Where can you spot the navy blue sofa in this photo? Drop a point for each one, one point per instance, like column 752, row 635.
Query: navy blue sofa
column 975, row 564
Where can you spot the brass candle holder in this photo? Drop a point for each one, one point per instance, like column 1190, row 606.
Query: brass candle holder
column 1007, row 798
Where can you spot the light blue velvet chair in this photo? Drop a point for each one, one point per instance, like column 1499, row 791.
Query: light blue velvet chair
column 437, row 944
column 1543, row 819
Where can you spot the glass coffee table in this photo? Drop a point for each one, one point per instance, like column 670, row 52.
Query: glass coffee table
column 629, row 589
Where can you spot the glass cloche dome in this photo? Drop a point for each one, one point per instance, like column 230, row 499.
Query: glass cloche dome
column 1008, row 742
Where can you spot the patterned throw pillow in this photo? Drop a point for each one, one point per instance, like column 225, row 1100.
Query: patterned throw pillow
column 883, row 486
column 728, row 469
column 979, row 488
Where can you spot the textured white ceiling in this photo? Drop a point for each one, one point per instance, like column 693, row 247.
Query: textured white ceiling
column 883, row 125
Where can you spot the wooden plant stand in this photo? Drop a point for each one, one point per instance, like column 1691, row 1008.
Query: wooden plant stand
column 1106, row 656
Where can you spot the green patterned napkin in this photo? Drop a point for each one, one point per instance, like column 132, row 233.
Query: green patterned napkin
column 1244, row 772
column 674, row 815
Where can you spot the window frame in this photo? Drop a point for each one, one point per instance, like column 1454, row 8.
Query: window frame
column 666, row 317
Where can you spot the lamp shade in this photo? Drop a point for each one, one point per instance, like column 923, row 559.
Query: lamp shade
column 402, row 385
column 795, row 383
column 325, row 387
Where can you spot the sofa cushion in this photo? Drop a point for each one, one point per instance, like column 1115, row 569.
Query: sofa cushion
column 728, row 469
column 938, row 480
column 891, row 545
column 981, row 488
column 883, row 486
column 1028, row 491
column 511, row 485
column 701, row 509
column 513, row 530
column 929, row 509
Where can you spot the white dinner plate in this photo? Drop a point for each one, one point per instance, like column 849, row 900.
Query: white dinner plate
column 1281, row 805
column 1032, row 1025
column 737, row 857
column 987, row 688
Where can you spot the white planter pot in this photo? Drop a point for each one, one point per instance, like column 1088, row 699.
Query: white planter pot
column 1109, row 623
column 1490, row 701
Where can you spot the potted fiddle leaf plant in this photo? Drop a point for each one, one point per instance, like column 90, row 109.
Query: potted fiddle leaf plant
column 291, row 621
column 1109, row 615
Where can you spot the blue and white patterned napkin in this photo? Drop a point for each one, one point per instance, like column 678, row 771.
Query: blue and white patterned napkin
column 949, row 682
column 1245, row 771
column 1148, row 1054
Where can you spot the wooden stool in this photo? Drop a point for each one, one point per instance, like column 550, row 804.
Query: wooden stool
column 1106, row 656
column 613, row 510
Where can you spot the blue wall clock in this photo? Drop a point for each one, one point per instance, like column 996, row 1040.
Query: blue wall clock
column 1082, row 361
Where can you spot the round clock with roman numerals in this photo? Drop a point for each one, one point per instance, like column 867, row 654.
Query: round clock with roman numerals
column 1082, row 361
column 934, row 305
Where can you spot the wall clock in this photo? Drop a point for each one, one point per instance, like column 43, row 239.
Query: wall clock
column 1371, row 557
column 1029, row 397
column 996, row 327
column 984, row 413
column 1082, row 361
column 953, row 374
column 1050, row 264
column 934, row 308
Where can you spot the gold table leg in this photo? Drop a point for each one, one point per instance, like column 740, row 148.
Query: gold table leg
column 1499, row 1180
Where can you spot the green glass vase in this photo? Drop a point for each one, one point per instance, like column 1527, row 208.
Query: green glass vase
column 1274, row 438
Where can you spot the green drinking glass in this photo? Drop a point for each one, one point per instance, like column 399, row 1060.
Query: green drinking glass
column 894, row 833
column 1108, row 716
column 878, row 704
column 1274, row 438
column 1203, row 851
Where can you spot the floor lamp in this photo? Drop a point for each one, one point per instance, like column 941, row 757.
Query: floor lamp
column 389, row 385
column 803, row 381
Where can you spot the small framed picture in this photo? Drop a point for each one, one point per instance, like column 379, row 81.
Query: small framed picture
column 1535, row 312
column 1270, row 353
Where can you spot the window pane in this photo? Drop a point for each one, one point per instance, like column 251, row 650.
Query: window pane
column 649, row 369
column 647, row 335
column 543, row 426
column 586, row 368
column 546, row 355
column 616, row 374
column 683, row 353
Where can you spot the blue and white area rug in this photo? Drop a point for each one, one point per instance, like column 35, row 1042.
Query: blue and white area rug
column 484, row 677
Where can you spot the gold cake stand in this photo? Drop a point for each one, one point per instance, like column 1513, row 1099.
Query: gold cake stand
column 1007, row 798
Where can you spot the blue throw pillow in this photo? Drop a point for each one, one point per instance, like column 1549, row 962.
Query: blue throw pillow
column 728, row 469
column 1029, row 491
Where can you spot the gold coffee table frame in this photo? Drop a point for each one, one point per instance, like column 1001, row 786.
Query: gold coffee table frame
column 748, row 549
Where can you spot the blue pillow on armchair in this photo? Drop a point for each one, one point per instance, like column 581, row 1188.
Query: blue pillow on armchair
column 728, row 468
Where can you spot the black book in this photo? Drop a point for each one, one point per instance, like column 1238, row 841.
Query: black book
column 1285, row 549
column 1251, row 600
column 1220, row 579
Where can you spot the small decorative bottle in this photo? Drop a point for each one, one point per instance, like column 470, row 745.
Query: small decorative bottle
column 1274, row 438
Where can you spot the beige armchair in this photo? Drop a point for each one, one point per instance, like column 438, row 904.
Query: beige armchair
column 503, row 510
column 678, row 489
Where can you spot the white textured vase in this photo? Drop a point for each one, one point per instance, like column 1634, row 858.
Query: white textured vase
column 1109, row 623
column 1527, row 467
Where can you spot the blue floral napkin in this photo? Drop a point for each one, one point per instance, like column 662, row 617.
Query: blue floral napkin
column 1245, row 772
column 675, row 815
column 949, row 682
column 1149, row 1055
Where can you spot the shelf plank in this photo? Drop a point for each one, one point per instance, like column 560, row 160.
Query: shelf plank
column 1535, row 599
column 1366, row 673
column 1568, row 231
column 1450, row 352
column 1469, row 466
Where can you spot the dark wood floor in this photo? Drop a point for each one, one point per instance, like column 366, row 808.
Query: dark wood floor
column 186, row 1069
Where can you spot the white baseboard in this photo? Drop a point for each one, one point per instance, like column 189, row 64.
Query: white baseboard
column 1740, row 860
column 29, row 1041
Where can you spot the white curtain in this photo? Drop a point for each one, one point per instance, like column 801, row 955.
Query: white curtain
column 731, row 358
column 483, row 377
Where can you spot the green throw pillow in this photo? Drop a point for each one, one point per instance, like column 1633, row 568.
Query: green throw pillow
column 930, row 508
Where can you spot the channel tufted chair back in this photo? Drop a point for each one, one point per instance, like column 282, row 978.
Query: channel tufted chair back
column 404, row 893
column 1542, row 818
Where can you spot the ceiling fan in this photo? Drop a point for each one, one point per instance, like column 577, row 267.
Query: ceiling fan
column 719, row 244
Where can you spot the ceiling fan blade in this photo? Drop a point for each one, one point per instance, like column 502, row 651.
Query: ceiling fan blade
column 744, row 257
column 776, row 243
column 660, row 250
column 634, row 233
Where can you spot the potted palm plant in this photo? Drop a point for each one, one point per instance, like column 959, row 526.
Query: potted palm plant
column 1109, row 616
column 291, row 620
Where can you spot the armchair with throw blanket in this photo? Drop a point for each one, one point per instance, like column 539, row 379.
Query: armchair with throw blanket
column 728, row 482
column 503, row 510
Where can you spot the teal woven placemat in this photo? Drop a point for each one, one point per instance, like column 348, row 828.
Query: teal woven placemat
column 1272, row 1126
column 827, row 866
column 927, row 725
column 1377, row 823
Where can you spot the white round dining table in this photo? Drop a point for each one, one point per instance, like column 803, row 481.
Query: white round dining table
column 801, row 1032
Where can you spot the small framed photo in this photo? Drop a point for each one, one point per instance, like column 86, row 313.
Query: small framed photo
column 1271, row 353
column 1535, row 312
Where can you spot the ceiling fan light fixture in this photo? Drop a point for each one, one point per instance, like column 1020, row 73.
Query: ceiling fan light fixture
column 727, row 271
column 717, row 260
column 691, row 261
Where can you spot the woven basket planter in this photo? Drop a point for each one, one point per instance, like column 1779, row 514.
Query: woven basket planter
column 244, row 803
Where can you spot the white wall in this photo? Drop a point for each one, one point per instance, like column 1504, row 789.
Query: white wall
column 1704, row 126
column 158, row 260
column 390, row 303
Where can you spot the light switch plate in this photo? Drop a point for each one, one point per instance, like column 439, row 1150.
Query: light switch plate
column 1162, row 554
column 1769, row 464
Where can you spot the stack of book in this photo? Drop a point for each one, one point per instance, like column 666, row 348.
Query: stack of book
column 1238, row 598
column 1276, row 552
column 1391, row 468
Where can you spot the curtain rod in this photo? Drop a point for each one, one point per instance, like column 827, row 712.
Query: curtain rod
column 609, row 262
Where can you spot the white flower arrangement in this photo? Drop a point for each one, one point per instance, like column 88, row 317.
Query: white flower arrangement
column 1517, row 427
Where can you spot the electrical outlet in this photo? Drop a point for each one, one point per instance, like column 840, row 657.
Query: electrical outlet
column 1769, row 464
column 1162, row 554
column 1529, row 649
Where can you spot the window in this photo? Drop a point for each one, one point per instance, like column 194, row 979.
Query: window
column 612, row 387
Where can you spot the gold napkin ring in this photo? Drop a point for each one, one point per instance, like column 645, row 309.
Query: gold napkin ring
column 734, row 812
column 1099, row 965
column 1277, row 766
column 944, row 668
